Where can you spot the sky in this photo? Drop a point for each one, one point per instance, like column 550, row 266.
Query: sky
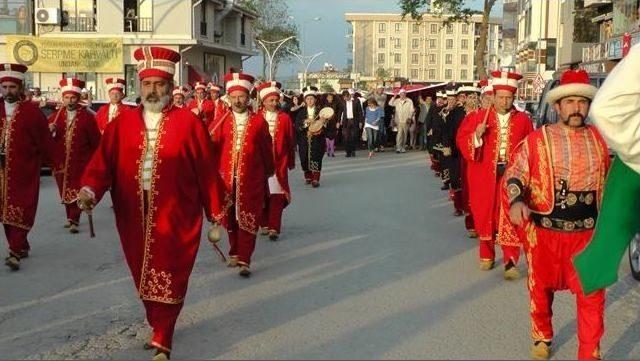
column 328, row 34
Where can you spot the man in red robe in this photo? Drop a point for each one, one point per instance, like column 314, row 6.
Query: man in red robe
column 486, row 141
column 76, row 136
column 554, row 187
column 218, row 104
column 157, row 160
column 244, row 154
column 179, row 92
column 281, row 130
column 24, row 144
column 201, row 106
column 108, row 112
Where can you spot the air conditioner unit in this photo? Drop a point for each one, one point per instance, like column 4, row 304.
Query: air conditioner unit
column 48, row 16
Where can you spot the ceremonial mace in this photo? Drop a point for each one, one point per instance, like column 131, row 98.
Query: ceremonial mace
column 213, row 235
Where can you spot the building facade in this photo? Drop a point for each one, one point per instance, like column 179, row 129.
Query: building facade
column 619, row 28
column 387, row 46
column 538, row 28
column 211, row 35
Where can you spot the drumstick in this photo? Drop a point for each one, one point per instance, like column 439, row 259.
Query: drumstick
column 219, row 123
column 219, row 252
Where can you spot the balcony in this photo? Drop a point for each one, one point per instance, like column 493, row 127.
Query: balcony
column 138, row 25
column 596, row 3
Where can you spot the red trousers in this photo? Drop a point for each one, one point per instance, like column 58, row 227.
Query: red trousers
column 308, row 176
column 315, row 176
column 435, row 165
column 72, row 209
column 73, row 213
column 162, row 318
column 487, row 251
column 277, row 203
column 551, row 269
column 468, row 222
column 17, row 239
column 241, row 243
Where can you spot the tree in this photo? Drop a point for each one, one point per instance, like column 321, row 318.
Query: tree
column 273, row 24
column 325, row 87
column 455, row 10
column 383, row 74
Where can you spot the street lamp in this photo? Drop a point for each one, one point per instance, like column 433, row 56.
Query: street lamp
column 269, row 54
column 306, row 63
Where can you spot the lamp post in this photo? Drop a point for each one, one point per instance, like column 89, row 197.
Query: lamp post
column 269, row 54
column 306, row 61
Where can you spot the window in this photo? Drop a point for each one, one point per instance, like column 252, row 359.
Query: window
column 397, row 40
column 398, row 26
column 382, row 27
column 450, row 29
column 416, row 28
column 396, row 72
column 79, row 15
column 382, row 43
column 243, row 30
column 464, row 44
column 415, row 43
column 464, row 59
column 465, row 29
column 203, row 19
column 432, row 74
column 397, row 58
column 449, row 43
column 448, row 59
column 447, row 74
column 463, row 74
column 415, row 58
column 414, row 74
column 381, row 58
column 434, row 28
column 15, row 17
column 214, row 65
column 432, row 43
column 131, row 78
column 432, row 58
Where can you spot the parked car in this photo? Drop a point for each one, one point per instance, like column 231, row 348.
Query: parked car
column 546, row 114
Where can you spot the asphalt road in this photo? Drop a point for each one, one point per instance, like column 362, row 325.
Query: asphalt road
column 370, row 265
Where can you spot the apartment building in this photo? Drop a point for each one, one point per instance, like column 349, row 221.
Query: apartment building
column 538, row 29
column 211, row 35
column 419, row 51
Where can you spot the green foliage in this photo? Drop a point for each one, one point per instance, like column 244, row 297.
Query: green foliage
column 273, row 24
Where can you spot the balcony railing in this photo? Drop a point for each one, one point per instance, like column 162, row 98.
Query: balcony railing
column 80, row 24
column 138, row 25
column 588, row 3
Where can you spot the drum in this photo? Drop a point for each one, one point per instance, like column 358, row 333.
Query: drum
column 317, row 125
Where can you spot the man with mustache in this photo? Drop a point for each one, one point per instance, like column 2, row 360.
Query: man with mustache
column 24, row 144
column 244, row 156
column 157, row 160
column 76, row 136
column 553, row 188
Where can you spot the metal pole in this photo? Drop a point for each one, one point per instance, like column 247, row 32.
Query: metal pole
column 302, row 58
column 271, row 56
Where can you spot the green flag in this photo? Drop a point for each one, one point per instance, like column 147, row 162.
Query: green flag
column 618, row 222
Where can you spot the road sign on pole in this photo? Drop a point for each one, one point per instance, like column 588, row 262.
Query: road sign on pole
column 538, row 84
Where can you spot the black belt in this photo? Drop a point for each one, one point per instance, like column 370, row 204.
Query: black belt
column 573, row 211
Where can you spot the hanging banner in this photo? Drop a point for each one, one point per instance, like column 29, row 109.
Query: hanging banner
column 59, row 55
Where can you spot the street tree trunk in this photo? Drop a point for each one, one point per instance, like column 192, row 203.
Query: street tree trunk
column 482, row 41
